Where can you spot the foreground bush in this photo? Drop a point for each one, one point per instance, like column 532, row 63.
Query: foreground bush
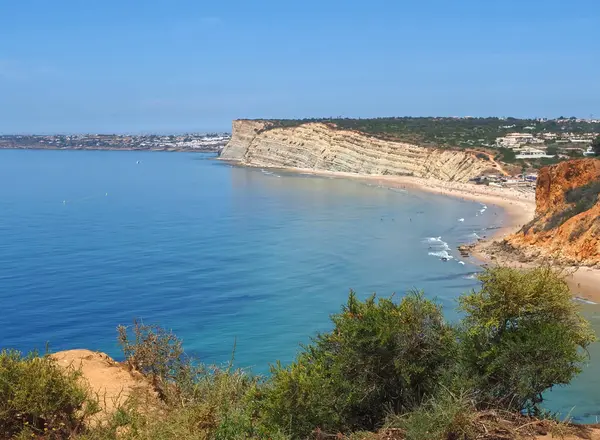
column 385, row 363
column 200, row 401
column 37, row 397
column 222, row 410
column 381, row 356
column 522, row 335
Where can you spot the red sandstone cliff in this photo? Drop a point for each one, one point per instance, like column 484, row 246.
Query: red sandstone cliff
column 567, row 219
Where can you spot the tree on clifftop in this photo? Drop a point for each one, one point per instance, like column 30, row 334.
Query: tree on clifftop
column 522, row 336
column 596, row 146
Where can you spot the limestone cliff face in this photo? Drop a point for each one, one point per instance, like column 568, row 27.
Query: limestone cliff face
column 567, row 220
column 320, row 146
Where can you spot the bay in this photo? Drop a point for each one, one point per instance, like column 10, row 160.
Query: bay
column 225, row 256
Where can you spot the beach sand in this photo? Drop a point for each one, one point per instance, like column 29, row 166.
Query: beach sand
column 518, row 205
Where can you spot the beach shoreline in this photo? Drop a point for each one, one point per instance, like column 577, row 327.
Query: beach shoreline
column 518, row 207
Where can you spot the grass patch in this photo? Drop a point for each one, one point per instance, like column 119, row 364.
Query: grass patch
column 447, row 416
column 587, row 195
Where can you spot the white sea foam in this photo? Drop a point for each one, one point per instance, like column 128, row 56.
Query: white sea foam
column 437, row 243
column 438, row 247
column 269, row 173
column 441, row 254
column 461, row 219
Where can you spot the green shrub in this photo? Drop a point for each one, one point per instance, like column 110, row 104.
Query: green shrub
column 38, row 397
column 381, row 356
column 585, row 196
column 201, row 401
column 446, row 416
column 507, row 154
column 159, row 355
column 522, row 334
column 222, row 410
column 580, row 200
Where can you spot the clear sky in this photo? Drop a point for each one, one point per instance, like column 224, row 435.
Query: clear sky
column 179, row 65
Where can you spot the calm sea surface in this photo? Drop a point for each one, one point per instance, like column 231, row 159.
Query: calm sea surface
column 222, row 255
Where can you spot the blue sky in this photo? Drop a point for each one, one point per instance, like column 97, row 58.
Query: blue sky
column 174, row 66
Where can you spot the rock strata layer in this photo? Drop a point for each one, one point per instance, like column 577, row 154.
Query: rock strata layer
column 567, row 219
column 323, row 147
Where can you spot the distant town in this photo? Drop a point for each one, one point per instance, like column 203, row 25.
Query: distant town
column 207, row 142
column 547, row 144
column 536, row 141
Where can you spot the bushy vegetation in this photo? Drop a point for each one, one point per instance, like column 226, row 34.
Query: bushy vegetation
column 578, row 200
column 528, row 321
column 386, row 363
column 447, row 416
column 584, row 197
column 39, row 399
column 444, row 131
column 159, row 355
column 506, row 155
column 381, row 356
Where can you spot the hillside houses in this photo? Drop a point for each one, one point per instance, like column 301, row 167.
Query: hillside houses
column 546, row 144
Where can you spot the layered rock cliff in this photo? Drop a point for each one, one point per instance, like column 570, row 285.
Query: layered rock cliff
column 567, row 219
column 320, row 146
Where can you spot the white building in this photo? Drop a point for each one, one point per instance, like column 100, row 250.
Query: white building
column 512, row 140
column 549, row 136
column 531, row 153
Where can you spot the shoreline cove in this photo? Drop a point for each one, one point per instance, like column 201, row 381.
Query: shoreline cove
column 518, row 207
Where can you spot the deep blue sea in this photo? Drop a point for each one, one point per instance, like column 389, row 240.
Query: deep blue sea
column 222, row 255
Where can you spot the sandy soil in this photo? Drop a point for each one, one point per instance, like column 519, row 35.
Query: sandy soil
column 112, row 382
column 519, row 206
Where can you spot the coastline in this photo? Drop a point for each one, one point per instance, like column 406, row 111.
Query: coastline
column 164, row 150
column 518, row 206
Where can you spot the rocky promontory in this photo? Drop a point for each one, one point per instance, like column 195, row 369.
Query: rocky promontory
column 324, row 147
column 566, row 226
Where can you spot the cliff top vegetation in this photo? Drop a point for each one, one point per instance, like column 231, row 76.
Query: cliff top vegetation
column 446, row 131
column 390, row 368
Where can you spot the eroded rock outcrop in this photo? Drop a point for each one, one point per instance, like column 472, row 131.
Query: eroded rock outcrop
column 110, row 382
column 567, row 219
column 321, row 146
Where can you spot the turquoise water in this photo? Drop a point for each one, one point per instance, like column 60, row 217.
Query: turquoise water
column 222, row 255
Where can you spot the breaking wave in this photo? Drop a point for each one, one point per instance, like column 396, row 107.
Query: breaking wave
column 438, row 248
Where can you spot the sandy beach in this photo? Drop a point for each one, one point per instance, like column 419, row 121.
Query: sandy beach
column 518, row 205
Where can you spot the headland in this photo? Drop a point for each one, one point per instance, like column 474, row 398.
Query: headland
column 322, row 149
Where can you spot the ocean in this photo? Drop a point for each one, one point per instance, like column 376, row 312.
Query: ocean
column 224, row 256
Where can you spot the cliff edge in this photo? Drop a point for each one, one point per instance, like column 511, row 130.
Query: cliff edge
column 324, row 147
column 111, row 382
column 567, row 218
